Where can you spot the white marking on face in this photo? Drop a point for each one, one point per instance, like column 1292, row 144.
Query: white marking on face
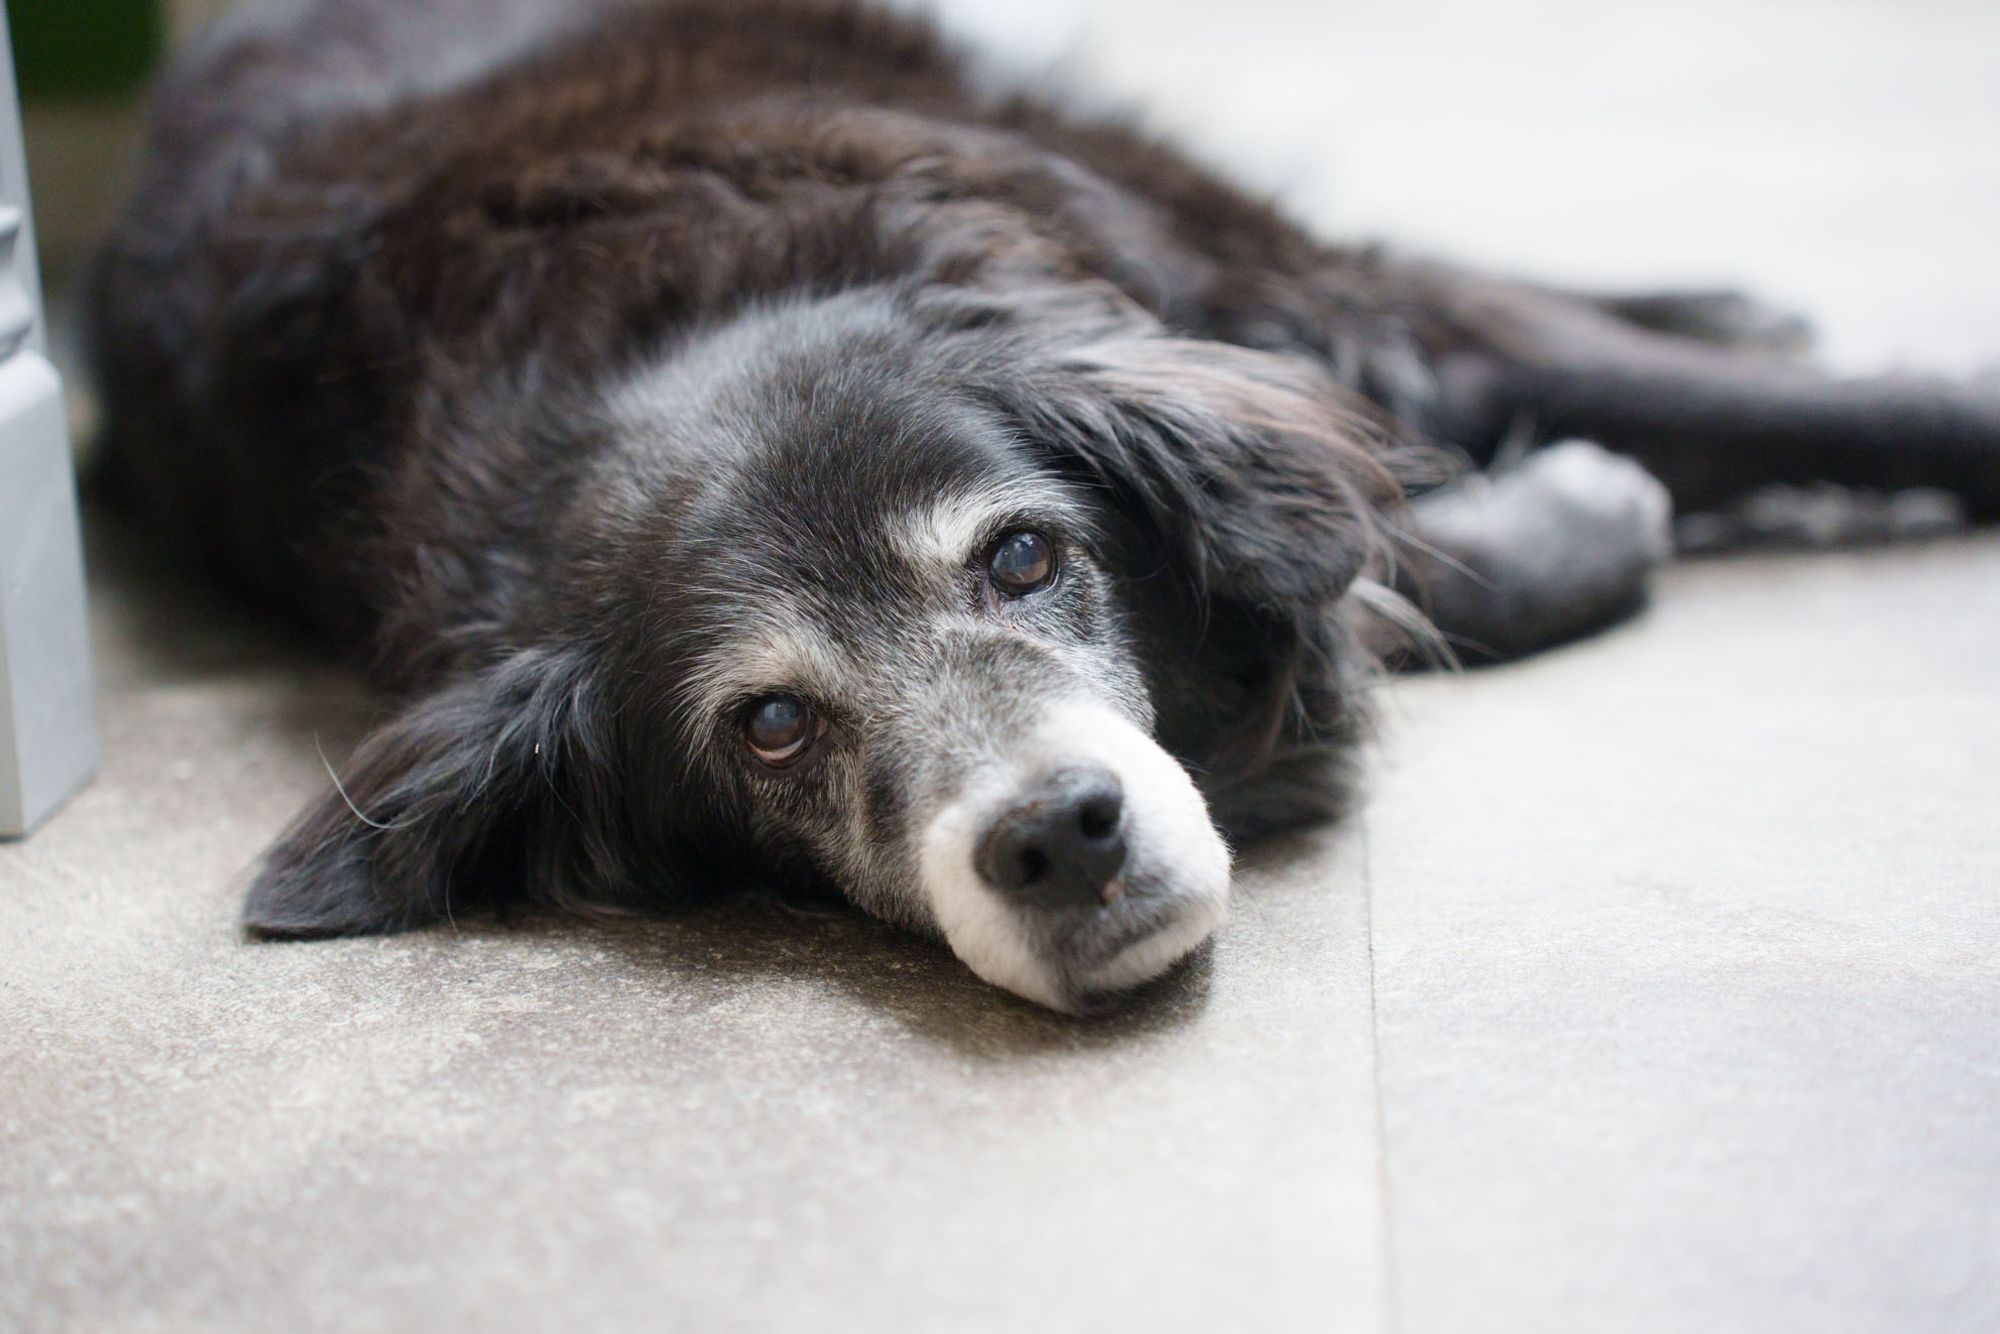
column 785, row 653
column 945, row 534
column 983, row 930
column 1175, row 861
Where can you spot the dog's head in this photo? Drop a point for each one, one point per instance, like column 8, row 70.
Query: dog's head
column 898, row 593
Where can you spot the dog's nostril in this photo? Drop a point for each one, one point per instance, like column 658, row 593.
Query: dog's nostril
column 1061, row 843
column 1099, row 814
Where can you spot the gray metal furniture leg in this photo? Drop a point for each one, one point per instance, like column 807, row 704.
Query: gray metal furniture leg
column 48, row 734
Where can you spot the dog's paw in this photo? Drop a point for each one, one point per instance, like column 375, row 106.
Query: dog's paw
column 1553, row 548
column 1822, row 515
column 1600, row 509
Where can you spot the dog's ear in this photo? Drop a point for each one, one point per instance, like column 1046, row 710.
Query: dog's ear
column 1262, row 478
column 492, row 781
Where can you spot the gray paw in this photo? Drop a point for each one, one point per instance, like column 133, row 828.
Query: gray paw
column 1571, row 505
column 1822, row 515
column 1556, row 547
column 1599, row 504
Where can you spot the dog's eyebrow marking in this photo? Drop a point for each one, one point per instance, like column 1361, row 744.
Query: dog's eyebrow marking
column 942, row 534
column 786, row 651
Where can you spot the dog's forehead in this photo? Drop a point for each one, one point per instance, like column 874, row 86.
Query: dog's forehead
column 836, row 604
column 827, row 487
column 847, row 483
column 833, row 537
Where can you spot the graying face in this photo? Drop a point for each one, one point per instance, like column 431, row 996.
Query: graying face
column 936, row 703
column 892, row 641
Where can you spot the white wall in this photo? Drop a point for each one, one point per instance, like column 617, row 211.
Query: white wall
column 1841, row 154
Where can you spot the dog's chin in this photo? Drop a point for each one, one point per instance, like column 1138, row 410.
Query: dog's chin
column 1081, row 959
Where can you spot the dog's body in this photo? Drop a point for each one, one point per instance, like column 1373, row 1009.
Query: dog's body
column 756, row 452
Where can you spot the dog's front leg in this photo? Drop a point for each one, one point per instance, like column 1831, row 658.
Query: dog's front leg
column 1512, row 561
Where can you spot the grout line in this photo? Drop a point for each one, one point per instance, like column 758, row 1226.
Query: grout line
column 1392, row 1287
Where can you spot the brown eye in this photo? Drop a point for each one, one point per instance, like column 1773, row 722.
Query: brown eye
column 779, row 729
column 1022, row 562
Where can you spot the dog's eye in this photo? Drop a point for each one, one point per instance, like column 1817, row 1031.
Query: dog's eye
column 780, row 729
column 1022, row 562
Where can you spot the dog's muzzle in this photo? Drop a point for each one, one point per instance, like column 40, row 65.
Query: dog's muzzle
column 1077, row 867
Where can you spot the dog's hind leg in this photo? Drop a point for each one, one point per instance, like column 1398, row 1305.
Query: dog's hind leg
column 1716, row 429
column 1710, row 422
column 1509, row 562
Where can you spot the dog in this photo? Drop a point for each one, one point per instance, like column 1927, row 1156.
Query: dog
column 754, row 450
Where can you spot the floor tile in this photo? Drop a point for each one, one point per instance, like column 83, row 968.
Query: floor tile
column 1688, row 963
column 743, row 1118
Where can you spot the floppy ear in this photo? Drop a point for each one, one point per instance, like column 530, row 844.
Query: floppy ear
column 1262, row 476
column 492, row 782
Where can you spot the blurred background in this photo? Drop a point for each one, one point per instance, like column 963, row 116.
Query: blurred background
column 1842, row 156
column 83, row 67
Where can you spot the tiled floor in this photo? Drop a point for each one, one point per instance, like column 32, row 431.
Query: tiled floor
column 747, row 1119
column 1659, row 988
column 1687, row 951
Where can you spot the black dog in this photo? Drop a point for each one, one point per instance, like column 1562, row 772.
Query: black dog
column 754, row 452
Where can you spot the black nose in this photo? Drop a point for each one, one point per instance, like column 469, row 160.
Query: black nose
column 1062, row 843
